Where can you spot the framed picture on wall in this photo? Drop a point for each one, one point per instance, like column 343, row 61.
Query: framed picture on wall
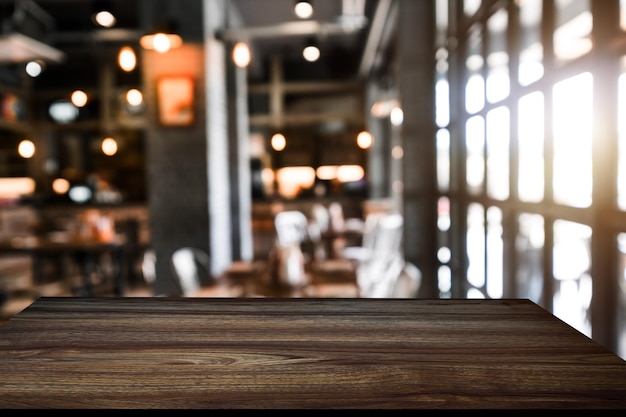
column 175, row 100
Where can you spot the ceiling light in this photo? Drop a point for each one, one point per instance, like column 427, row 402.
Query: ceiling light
column 34, row 68
column 79, row 98
column 163, row 39
column 104, row 19
column 364, row 139
column 161, row 42
column 60, row 185
column 134, row 97
column 241, row 54
column 26, row 148
column 396, row 116
column 278, row 142
column 14, row 187
column 102, row 15
column 311, row 52
column 303, row 9
column 127, row 59
column 109, row 146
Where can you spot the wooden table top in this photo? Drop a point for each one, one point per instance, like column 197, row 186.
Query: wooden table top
column 301, row 353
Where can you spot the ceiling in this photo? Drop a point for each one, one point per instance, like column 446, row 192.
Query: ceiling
column 344, row 30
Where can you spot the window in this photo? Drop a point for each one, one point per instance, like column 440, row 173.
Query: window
column 530, row 127
column 573, row 112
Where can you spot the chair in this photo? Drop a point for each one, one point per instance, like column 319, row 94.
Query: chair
column 338, row 276
column 407, row 283
column 318, row 228
column 380, row 261
column 191, row 269
column 291, row 231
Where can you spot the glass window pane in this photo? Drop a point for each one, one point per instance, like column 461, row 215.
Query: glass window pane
column 498, row 153
column 572, row 36
column 497, row 59
column 529, row 248
column 443, row 159
column 475, row 87
column 622, row 14
column 495, row 253
column 621, row 297
column 573, row 111
column 531, row 50
column 470, row 7
column 443, row 214
column 442, row 102
column 621, row 132
column 475, row 247
column 571, row 255
column 475, row 144
column 530, row 134
column 444, row 281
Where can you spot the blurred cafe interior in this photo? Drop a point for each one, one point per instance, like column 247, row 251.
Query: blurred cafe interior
column 365, row 148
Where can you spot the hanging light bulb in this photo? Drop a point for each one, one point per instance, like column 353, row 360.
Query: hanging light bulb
column 241, row 54
column 102, row 14
column 364, row 140
column 127, row 59
column 311, row 51
column 134, row 97
column 104, row 18
column 162, row 40
column 34, row 68
column 79, row 98
column 26, row 149
column 303, row 9
column 109, row 146
column 278, row 142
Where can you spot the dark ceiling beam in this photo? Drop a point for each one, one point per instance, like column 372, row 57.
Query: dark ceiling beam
column 287, row 29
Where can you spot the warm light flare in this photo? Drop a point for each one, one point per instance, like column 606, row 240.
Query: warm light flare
column 134, row 97
column 105, row 19
column 292, row 180
column 311, row 53
column 60, row 185
column 161, row 42
column 127, row 59
column 364, row 140
column 26, row 148
column 350, row 173
column 303, row 9
column 109, row 146
column 241, row 54
column 79, row 98
column 16, row 186
column 278, row 142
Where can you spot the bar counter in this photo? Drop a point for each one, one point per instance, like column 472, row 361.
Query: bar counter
column 164, row 352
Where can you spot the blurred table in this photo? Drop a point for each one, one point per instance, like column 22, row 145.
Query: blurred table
column 164, row 352
column 84, row 251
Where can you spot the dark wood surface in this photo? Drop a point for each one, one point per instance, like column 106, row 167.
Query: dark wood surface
column 301, row 353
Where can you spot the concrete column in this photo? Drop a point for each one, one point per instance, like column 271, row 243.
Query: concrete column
column 416, row 80
column 214, row 15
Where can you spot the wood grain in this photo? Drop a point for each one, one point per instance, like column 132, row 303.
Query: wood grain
column 301, row 353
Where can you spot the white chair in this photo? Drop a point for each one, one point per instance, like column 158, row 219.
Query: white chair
column 380, row 261
column 291, row 227
column 407, row 283
column 189, row 266
column 291, row 230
